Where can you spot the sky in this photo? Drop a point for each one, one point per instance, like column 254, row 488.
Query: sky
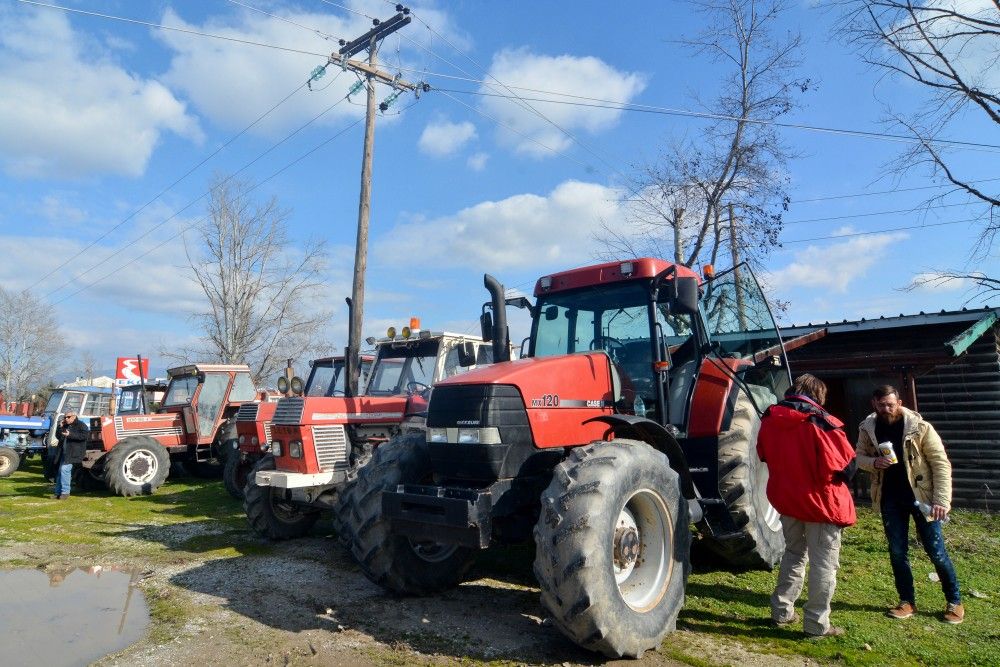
column 111, row 131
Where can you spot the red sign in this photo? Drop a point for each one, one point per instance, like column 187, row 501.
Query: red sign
column 128, row 369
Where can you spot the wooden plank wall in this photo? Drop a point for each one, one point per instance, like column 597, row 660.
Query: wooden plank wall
column 962, row 401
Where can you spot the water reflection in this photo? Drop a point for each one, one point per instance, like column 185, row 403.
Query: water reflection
column 82, row 614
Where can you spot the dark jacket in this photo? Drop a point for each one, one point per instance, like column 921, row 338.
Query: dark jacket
column 73, row 445
column 809, row 461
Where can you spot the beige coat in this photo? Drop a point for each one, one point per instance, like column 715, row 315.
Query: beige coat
column 927, row 465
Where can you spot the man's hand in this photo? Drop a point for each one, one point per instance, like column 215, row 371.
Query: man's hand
column 882, row 462
column 938, row 512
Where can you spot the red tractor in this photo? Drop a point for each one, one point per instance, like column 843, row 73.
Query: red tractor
column 318, row 442
column 132, row 453
column 633, row 414
column 253, row 420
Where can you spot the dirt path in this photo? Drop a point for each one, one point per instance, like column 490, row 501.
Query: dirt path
column 305, row 603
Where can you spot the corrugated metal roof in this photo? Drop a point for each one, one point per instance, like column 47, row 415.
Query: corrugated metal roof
column 883, row 322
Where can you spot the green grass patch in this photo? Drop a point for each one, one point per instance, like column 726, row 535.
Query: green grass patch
column 736, row 606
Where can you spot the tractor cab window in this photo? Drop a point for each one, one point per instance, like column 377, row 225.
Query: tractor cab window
column 741, row 326
column 399, row 364
column 243, row 389
column 321, row 380
column 484, row 354
column 73, row 402
column 129, row 400
column 54, row 400
column 181, row 390
column 210, row 402
column 97, row 405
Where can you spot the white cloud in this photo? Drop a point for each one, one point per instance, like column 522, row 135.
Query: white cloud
column 526, row 132
column 933, row 281
column 834, row 266
column 477, row 161
column 69, row 110
column 443, row 138
column 521, row 231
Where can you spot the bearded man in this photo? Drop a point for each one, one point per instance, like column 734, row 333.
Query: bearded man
column 915, row 469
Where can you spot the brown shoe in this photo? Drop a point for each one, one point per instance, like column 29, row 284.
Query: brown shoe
column 832, row 631
column 954, row 613
column 63, row 496
column 795, row 618
column 902, row 610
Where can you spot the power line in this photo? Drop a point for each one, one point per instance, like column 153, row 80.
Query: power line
column 879, row 231
column 322, row 34
column 875, row 213
column 202, row 219
column 169, row 187
column 199, row 198
column 887, row 192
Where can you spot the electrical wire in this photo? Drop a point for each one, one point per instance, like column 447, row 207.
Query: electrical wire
column 887, row 192
column 171, row 186
column 199, row 198
column 322, row 34
column 204, row 218
column 880, row 231
column 875, row 213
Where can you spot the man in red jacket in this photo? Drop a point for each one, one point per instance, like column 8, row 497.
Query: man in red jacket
column 809, row 463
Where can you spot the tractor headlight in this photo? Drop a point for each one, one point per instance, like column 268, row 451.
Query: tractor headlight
column 254, row 440
column 243, row 439
column 437, row 435
column 295, row 449
column 479, row 436
column 276, row 447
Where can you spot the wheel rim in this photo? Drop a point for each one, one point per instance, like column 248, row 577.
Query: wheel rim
column 5, row 463
column 770, row 515
column 641, row 550
column 283, row 511
column 140, row 466
column 432, row 552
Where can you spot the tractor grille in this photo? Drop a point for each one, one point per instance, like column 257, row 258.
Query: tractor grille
column 289, row 411
column 331, row 446
column 247, row 412
column 267, row 432
column 152, row 431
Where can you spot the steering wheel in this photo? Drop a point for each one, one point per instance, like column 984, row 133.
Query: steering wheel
column 613, row 346
column 418, row 388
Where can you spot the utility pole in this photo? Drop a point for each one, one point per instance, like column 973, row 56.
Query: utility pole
column 370, row 70
column 678, row 250
column 734, row 250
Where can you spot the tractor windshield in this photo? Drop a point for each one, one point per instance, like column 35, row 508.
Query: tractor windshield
column 181, row 390
column 402, row 363
column 322, row 378
column 740, row 323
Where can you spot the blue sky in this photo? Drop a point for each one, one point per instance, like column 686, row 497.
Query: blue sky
column 99, row 118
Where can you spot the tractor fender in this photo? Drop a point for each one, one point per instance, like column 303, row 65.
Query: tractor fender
column 647, row 430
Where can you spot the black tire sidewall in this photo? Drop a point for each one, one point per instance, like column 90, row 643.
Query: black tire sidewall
column 259, row 508
column 14, row 460
column 114, row 474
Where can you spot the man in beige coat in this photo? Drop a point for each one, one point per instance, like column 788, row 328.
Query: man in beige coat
column 911, row 468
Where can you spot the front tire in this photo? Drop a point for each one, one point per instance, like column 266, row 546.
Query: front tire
column 398, row 563
column 760, row 542
column 136, row 466
column 9, row 461
column 612, row 547
column 270, row 516
column 234, row 473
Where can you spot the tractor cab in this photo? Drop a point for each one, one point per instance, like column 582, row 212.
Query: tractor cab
column 206, row 395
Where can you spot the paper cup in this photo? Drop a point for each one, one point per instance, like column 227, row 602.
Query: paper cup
column 886, row 449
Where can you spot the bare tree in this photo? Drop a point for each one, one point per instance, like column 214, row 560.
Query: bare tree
column 263, row 295
column 30, row 343
column 951, row 49
column 88, row 364
column 737, row 163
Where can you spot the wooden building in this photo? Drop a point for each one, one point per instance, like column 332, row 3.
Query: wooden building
column 946, row 366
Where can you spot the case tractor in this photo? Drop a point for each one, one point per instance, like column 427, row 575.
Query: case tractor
column 253, row 420
column 318, row 442
column 632, row 414
column 132, row 453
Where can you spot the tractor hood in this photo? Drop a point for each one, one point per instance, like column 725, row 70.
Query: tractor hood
column 318, row 410
column 559, row 394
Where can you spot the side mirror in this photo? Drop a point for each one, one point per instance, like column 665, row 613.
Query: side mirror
column 486, row 327
column 686, row 295
column 551, row 313
column 466, row 354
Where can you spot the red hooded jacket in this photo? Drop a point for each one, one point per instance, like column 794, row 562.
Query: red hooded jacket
column 809, row 462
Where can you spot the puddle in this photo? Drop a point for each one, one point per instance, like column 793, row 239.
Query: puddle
column 68, row 615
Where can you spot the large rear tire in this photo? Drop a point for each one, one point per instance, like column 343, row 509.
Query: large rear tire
column 234, row 472
column 136, row 466
column 89, row 479
column 9, row 461
column 743, row 487
column 271, row 516
column 612, row 547
column 396, row 562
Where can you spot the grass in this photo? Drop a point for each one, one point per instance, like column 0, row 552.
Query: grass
column 736, row 605
column 194, row 519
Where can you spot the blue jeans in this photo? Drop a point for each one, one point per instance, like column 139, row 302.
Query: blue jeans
column 896, row 521
column 64, row 474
